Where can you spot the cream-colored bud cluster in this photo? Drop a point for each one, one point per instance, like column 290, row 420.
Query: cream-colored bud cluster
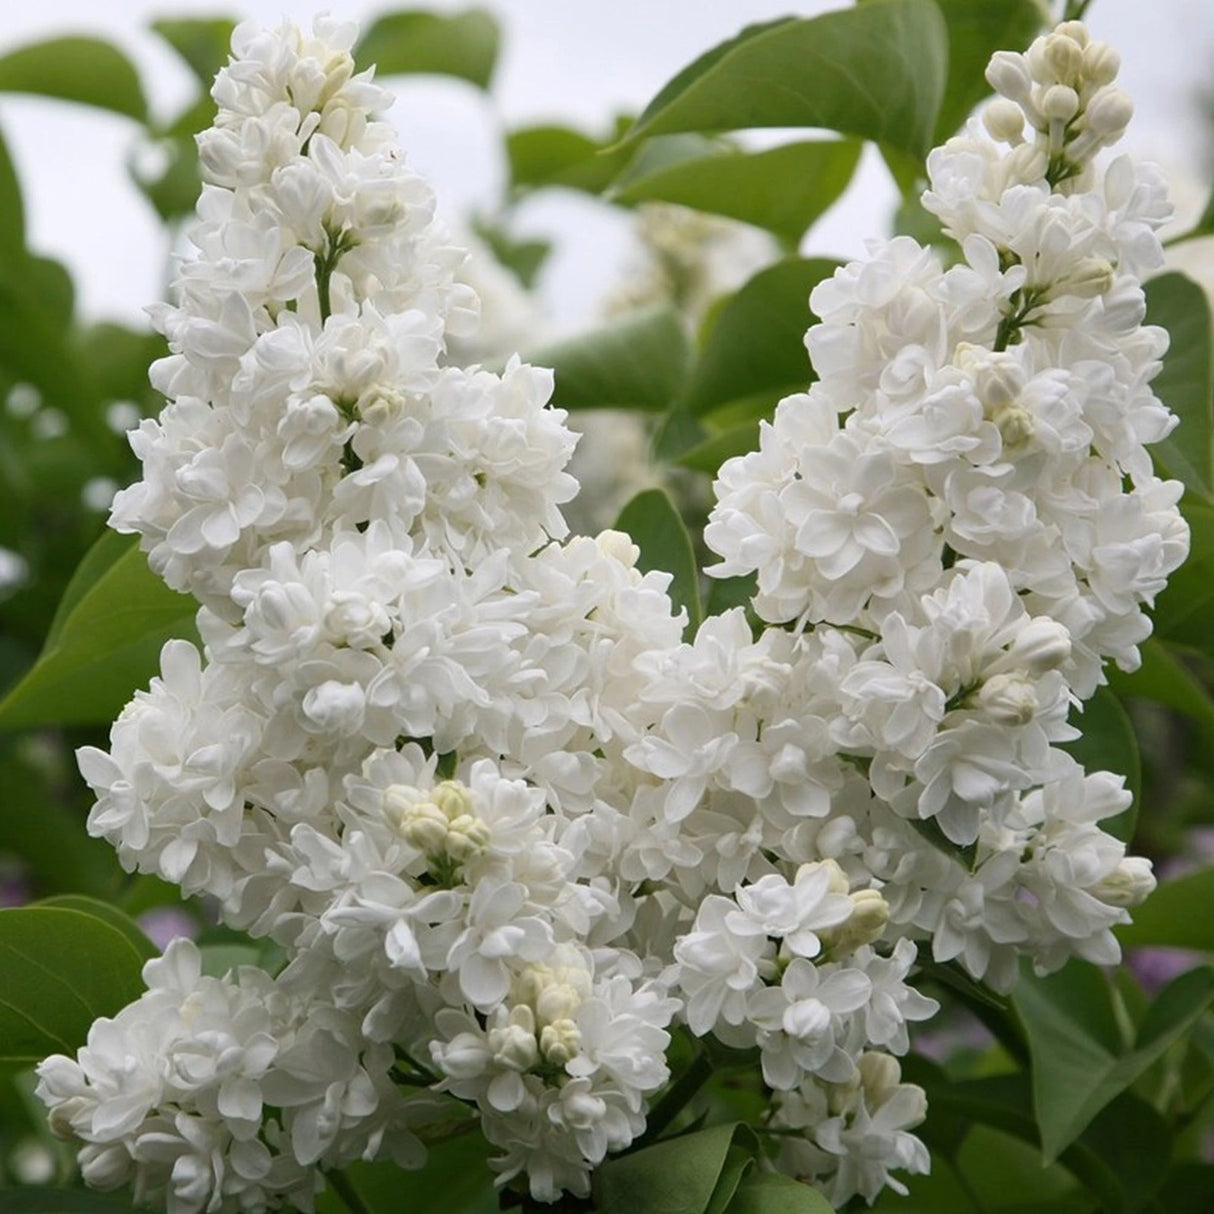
column 442, row 824
column 1063, row 88
column 869, row 914
column 553, row 995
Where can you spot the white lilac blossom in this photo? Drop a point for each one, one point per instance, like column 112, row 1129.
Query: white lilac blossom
column 510, row 828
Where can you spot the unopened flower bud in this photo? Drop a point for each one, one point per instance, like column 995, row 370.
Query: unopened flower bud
column 839, row 883
column 1063, row 58
column 1127, row 885
column 558, row 1001
column 467, row 836
column 1060, row 103
column 1008, row 74
column 1101, row 63
column 1092, row 276
column 582, row 1110
column 424, row 826
column 880, row 1076
column 465, row 1056
column 1016, row 426
column 1004, row 120
column 454, row 799
column 1008, row 699
column 1042, row 644
column 560, row 1041
column 1108, row 114
column 870, row 914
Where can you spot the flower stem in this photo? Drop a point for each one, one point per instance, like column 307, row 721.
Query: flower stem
column 345, row 1190
column 678, row 1096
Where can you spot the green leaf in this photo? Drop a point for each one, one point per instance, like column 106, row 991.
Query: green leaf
column 174, row 190
column 463, row 45
column 203, row 42
column 1165, row 679
column 87, row 70
column 1183, row 609
column 550, row 155
column 876, row 71
column 674, row 1176
column 976, row 30
column 1185, row 384
column 637, row 362
column 1078, row 1066
column 1189, row 1189
column 61, row 1201
column 658, row 530
column 783, row 190
column 110, row 914
column 772, row 1193
column 757, row 344
column 1108, row 743
column 1120, row 1158
column 1176, row 915
column 12, row 210
column 104, row 648
column 62, row 969
column 523, row 257
column 456, row 1168
column 709, row 455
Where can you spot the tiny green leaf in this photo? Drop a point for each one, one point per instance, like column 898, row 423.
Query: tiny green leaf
column 876, row 71
column 658, row 530
column 463, row 45
column 88, row 70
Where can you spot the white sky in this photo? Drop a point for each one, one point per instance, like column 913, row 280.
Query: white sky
column 576, row 61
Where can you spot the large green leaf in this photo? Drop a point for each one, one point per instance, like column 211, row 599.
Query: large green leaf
column 62, row 970
column 1176, row 915
column 457, row 1169
column 1120, row 1158
column 783, row 189
column 772, row 1193
column 107, row 913
column 1164, row 678
column 673, row 1176
column 202, row 42
column 104, row 647
column 1183, row 610
column 462, row 44
column 61, row 1201
column 1078, row 1065
column 876, row 71
column 976, row 30
column 1185, row 384
column 12, row 210
column 88, row 70
column 756, row 345
column 709, row 455
column 549, row 155
column 637, row 362
column 658, row 530
column 1108, row 743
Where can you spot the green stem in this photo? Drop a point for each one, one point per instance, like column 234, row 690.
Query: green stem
column 345, row 1190
column 678, row 1096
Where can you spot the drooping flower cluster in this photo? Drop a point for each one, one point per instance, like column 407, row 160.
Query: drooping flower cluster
column 507, row 824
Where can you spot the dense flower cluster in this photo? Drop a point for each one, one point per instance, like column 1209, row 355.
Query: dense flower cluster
column 507, row 824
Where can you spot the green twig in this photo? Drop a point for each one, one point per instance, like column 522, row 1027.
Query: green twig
column 678, row 1096
column 345, row 1190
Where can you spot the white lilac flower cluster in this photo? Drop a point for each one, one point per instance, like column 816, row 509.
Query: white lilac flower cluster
column 507, row 825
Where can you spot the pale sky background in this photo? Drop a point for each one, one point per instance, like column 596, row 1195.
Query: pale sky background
column 571, row 60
